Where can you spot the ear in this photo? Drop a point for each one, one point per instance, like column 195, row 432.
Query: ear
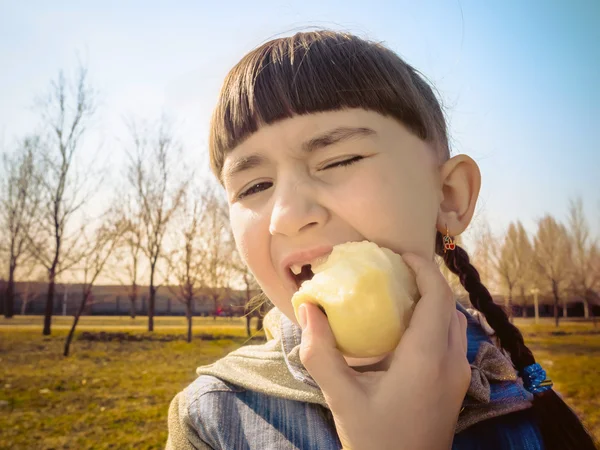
column 460, row 181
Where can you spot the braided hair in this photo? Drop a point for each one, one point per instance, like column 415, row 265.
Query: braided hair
column 559, row 425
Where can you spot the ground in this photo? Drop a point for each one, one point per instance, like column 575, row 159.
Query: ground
column 115, row 394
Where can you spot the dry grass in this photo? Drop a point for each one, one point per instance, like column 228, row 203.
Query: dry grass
column 106, row 394
column 571, row 357
column 116, row 394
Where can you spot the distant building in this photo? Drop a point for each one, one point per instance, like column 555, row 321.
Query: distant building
column 546, row 306
column 114, row 300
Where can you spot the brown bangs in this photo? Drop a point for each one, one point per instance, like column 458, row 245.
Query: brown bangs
column 315, row 72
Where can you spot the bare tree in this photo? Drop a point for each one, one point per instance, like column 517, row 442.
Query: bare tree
column 217, row 247
column 66, row 112
column 525, row 258
column 484, row 253
column 552, row 256
column 185, row 262
column 19, row 201
column 513, row 264
column 158, row 192
column 241, row 269
column 25, row 297
column 583, row 249
column 128, row 257
column 134, row 240
column 98, row 250
column 594, row 297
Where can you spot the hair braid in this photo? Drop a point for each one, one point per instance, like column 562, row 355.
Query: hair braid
column 510, row 337
column 559, row 425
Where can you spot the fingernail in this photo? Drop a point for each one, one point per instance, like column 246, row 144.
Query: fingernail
column 302, row 316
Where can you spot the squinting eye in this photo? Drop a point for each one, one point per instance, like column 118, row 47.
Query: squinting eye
column 254, row 189
column 344, row 163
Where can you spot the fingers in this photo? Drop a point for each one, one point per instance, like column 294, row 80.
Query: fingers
column 434, row 311
column 462, row 319
column 457, row 351
column 322, row 359
column 457, row 336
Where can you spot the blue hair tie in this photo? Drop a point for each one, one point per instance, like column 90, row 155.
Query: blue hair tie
column 534, row 379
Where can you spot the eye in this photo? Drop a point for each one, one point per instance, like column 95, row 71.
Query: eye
column 258, row 187
column 344, row 163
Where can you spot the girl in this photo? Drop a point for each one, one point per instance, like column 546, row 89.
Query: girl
column 324, row 138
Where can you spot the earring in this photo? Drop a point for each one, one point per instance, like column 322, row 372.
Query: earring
column 448, row 241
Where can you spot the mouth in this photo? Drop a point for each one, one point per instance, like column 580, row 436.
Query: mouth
column 303, row 275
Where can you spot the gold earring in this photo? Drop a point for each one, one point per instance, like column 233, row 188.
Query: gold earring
column 448, row 242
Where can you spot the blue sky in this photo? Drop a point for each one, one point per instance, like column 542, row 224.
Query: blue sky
column 520, row 80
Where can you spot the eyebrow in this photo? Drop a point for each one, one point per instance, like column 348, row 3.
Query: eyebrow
column 331, row 137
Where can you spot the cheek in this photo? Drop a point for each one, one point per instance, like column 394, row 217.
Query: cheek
column 252, row 240
column 392, row 209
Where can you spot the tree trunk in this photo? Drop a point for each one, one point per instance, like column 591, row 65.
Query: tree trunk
column 151, row 309
column 9, row 299
column 151, row 305
column 565, row 312
column 188, row 313
column 586, row 308
column 509, row 306
column 589, row 295
column 524, row 302
column 49, row 303
column 133, row 294
column 2, row 296
column 84, row 300
column 248, row 319
column 556, row 302
column 132, row 301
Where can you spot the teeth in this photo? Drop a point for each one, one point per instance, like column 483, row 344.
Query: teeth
column 296, row 268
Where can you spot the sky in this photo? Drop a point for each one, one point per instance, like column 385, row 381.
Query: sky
column 519, row 81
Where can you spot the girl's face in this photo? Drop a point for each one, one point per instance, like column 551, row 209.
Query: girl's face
column 300, row 186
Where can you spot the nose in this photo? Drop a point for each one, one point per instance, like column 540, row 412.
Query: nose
column 295, row 209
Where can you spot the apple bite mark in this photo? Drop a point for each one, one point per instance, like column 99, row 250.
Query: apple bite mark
column 306, row 274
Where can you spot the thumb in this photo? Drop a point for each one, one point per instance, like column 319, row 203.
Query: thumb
column 322, row 359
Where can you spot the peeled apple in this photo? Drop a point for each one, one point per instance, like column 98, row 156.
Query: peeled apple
column 368, row 293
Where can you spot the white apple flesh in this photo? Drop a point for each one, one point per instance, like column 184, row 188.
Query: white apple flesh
column 368, row 293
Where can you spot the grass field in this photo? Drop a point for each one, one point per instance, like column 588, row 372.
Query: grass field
column 115, row 394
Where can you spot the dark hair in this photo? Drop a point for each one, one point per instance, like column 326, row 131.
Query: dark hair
column 325, row 71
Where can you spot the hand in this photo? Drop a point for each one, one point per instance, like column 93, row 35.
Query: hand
column 416, row 402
